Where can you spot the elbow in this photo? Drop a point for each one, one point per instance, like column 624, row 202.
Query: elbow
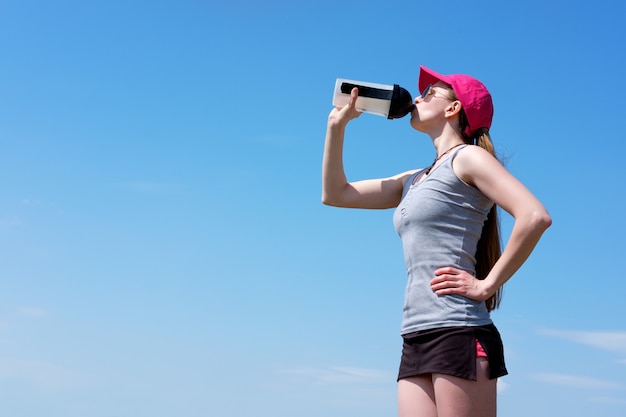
column 327, row 200
column 541, row 220
column 336, row 199
column 332, row 196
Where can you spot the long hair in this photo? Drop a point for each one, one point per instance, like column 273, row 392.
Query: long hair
column 489, row 246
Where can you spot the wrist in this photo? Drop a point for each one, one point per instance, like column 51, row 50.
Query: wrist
column 489, row 287
column 337, row 123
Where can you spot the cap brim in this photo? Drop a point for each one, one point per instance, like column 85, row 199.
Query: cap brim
column 428, row 77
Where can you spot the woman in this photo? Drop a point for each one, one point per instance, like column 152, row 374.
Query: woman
column 446, row 217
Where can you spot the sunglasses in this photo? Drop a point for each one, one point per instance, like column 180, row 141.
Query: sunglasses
column 430, row 91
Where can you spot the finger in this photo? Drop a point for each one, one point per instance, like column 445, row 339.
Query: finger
column 445, row 290
column 354, row 94
column 447, row 283
column 441, row 280
column 447, row 270
column 447, row 274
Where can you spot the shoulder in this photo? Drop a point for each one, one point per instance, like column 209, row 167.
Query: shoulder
column 473, row 162
column 473, row 153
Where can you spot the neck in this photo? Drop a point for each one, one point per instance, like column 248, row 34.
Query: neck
column 442, row 144
column 442, row 154
column 445, row 137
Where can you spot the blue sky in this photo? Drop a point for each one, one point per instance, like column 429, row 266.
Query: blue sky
column 164, row 248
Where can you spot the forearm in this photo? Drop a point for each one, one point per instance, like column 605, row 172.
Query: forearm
column 333, row 175
column 525, row 235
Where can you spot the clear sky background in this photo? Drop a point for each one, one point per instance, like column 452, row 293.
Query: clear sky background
column 163, row 248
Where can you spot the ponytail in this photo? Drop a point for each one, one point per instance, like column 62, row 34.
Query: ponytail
column 489, row 247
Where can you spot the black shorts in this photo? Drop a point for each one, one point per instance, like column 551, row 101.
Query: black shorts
column 451, row 351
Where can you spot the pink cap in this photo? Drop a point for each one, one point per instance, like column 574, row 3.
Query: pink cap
column 472, row 94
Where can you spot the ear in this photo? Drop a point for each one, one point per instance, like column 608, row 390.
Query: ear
column 453, row 109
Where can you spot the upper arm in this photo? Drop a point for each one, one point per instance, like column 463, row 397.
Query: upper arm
column 381, row 193
column 479, row 168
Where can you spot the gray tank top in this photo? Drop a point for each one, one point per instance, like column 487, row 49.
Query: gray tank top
column 439, row 221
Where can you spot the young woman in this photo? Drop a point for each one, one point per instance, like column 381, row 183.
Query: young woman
column 446, row 217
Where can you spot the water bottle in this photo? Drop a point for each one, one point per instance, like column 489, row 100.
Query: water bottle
column 390, row 101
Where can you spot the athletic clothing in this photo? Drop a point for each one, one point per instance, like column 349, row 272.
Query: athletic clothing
column 480, row 350
column 452, row 351
column 440, row 221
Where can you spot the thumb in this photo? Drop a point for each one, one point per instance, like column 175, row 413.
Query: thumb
column 354, row 94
